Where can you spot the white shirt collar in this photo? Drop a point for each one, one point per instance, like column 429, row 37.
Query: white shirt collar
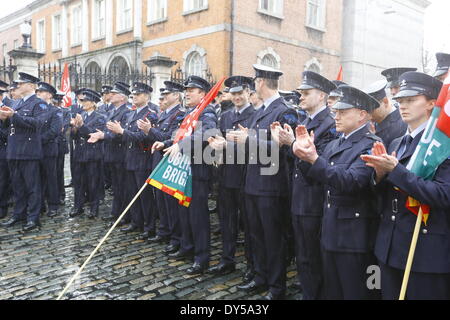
column 349, row 135
column 90, row 112
column 269, row 101
column 27, row 97
column 418, row 130
column 170, row 109
column 317, row 112
column 243, row 108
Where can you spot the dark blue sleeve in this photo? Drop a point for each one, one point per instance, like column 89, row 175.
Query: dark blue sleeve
column 99, row 124
column 56, row 124
column 208, row 121
column 435, row 193
column 34, row 121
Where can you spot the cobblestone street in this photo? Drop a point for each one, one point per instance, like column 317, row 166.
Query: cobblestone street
column 37, row 265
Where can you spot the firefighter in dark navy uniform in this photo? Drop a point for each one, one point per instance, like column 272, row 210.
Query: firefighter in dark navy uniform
column 24, row 151
column 443, row 65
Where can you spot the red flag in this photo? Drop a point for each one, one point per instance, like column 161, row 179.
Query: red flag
column 340, row 76
column 65, row 87
column 444, row 102
column 190, row 122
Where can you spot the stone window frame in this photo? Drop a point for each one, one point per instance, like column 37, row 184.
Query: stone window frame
column 120, row 13
column 187, row 10
column 268, row 12
column 73, row 42
column 95, row 36
column 150, row 18
column 202, row 53
column 322, row 15
column 269, row 51
column 313, row 62
column 56, row 48
column 41, row 37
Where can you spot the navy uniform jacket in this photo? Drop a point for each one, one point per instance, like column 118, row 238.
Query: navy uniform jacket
column 138, row 151
column 349, row 221
column 209, row 121
column 3, row 140
column 391, row 128
column 397, row 223
column 167, row 124
column 232, row 175
column 51, row 130
column 10, row 102
column 105, row 108
column 307, row 193
column 114, row 148
column 268, row 185
column 154, row 107
column 76, row 108
column 63, row 145
column 84, row 151
column 24, row 140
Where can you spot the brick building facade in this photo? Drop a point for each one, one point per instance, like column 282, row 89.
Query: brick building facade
column 220, row 37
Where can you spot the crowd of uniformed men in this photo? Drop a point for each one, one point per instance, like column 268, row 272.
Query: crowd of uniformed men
column 335, row 203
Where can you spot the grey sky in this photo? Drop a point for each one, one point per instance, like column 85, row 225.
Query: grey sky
column 437, row 23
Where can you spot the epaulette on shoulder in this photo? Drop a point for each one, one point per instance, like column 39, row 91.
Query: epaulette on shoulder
column 373, row 136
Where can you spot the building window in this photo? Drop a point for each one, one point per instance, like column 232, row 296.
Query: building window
column 194, row 65
column 195, row 5
column 124, row 15
column 272, row 7
column 269, row 57
column 269, row 61
column 5, row 51
column 56, row 32
column 76, row 25
column 316, row 14
column 99, row 19
column 157, row 10
column 119, row 70
column 313, row 65
column 16, row 44
column 40, row 36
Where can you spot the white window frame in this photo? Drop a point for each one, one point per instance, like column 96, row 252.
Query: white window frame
column 192, row 6
column 5, row 51
column 40, row 36
column 274, row 8
column 74, row 41
column 121, row 18
column 56, row 38
column 153, row 8
column 321, row 14
column 98, row 27
column 16, row 44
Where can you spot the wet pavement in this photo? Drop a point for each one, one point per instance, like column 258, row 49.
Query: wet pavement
column 38, row 264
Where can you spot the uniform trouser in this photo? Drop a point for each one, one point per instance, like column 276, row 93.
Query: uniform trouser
column 142, row 212
column 308, row 255
column 174, row 220
column 268, row 241
column 4, row 186
column 164, row 227
column 60, row 175
column 421, row 286
column 346, row 277
column 195, row 224
column 87, row 180
column 108, row 169
column 118, row 184
column 229, row 222
column 26, row 179
column 101, row 189
column 49, row 178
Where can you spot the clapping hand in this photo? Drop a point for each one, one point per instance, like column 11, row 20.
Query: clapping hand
column 380, row 160
column 304, row 147
column 96, row 136
column 144, row 125
column 239, row 136
column 217, row 142
column 115, row 127
column 157, row 146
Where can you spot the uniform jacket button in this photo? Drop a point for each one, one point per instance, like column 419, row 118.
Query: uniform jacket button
column 393, row 218
column 332, row 163
column 357, row 215
column 424, row 231
column 329, row 206
column 29, row 139
column 296, row 175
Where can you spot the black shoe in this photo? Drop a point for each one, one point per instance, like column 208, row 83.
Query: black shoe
column 252, row 287
column 108, row 217
column 181, row 255
column 159, row 238
column 171, row 248
column 130, row 228
column 144, row 236
column 52, row 213
column 196, row 269
column 43, row 210
column 75, row 212
column 12, row 221
column 31, row 225
column 248, row 276
column 62, row 202
column 270, row 296
column 222, row 269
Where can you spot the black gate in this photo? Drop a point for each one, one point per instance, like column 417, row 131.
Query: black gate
column 91, row 77
column 7, row 70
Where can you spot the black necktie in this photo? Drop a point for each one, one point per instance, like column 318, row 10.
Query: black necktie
column 341, row 141
column 307, row 121
column 404, row 145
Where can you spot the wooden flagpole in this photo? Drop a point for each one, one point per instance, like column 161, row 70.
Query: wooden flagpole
column 412, row 250
column 101, row 242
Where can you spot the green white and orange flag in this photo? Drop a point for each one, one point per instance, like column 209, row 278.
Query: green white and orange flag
column 434, row 147
column 173, row 175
